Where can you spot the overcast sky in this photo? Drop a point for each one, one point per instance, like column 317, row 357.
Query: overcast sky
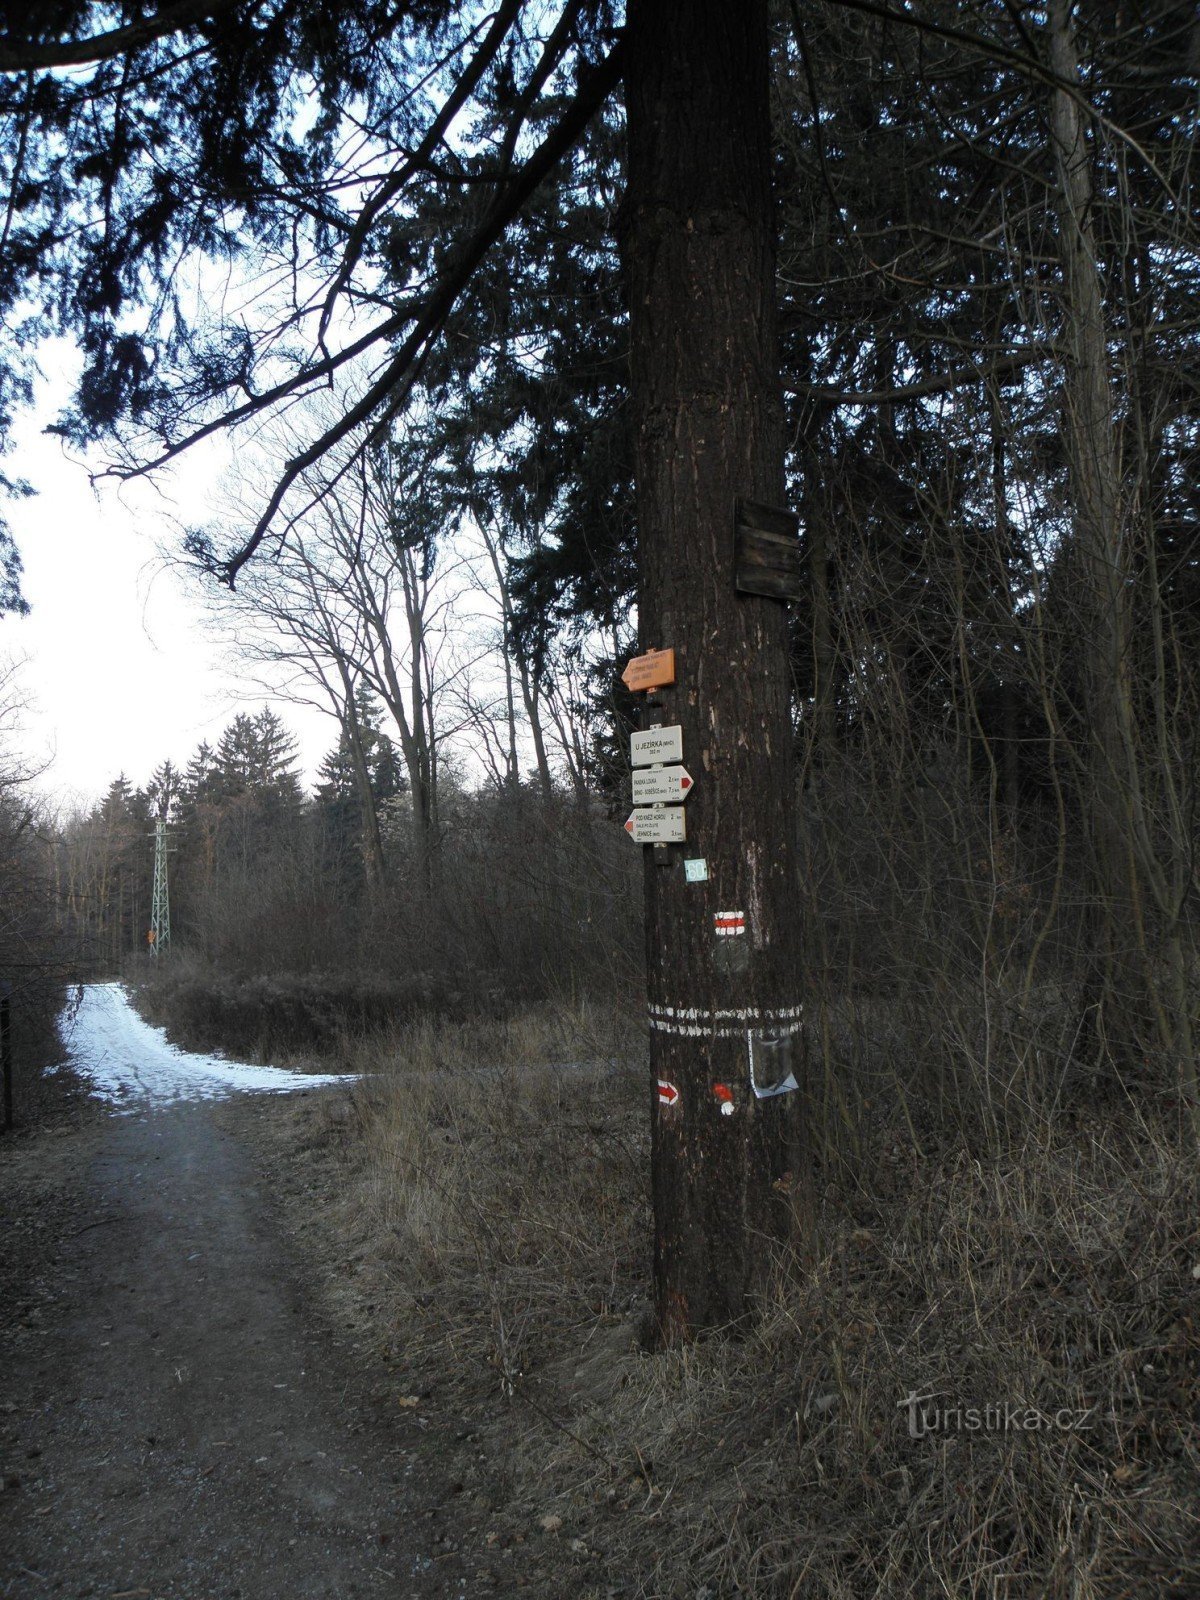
column 124, row 667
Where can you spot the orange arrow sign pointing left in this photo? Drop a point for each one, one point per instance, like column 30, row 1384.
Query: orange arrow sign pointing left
column 654, row 670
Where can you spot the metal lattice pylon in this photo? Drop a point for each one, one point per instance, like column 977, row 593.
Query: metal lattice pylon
column 160, row 905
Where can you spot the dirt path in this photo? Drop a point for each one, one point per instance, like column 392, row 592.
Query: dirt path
column 174, row 1421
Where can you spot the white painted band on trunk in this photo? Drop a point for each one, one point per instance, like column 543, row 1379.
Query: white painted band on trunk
column 717, row 1030
column 745, row 1014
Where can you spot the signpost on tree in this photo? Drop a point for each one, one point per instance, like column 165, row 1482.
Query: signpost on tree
column 698, row 246
column 653, row 670
column 717, row 562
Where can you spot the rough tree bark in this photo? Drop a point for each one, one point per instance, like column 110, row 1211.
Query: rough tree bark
column 698, row 245
column 1117, row 990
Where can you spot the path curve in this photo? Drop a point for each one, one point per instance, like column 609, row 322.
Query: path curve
column 175, row 1421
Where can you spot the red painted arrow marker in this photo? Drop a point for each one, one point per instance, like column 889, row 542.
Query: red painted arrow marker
column 668, row 1094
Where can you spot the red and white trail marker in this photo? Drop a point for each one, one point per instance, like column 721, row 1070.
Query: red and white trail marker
column 729, row 924
column 668, row 1094
column 723, row 1095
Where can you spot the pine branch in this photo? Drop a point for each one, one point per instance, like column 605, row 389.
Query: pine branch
column 942, row 383
column 17, row 56
column 387, row 393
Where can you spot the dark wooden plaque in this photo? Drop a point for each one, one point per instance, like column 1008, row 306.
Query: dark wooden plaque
column 767, row 555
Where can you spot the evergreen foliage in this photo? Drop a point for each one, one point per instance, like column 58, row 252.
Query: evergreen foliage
column 983, row 317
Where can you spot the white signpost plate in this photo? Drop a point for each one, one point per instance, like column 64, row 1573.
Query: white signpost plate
column 654, row 786
column 656, row 745
column 657, row 825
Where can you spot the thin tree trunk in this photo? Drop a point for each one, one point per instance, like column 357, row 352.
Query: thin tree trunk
column 372, row 840
column 530, row 690
column 1117, row 987
column 571, row 746
column 699, row 254
column 409, row 708
column 824, row 688
column 531, row 694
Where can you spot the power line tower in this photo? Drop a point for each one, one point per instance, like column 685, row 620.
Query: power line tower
column 160, row 905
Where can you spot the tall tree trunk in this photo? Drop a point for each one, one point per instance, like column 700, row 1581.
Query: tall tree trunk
column 824, row 689
column 698, row 241
column 1117, row 990
column 514, row 656
column 1010, row 701
column 570, row 742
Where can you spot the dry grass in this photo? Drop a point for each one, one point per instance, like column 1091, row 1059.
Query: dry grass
column 1056, row 1278
column 502, row 1157
column 506, row 1201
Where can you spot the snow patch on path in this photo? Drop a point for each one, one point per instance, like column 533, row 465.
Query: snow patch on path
column 133, row 1065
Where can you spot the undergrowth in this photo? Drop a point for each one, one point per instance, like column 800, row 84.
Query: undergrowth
column 1048, row 1284
column 263, row 1016
column 1040, row 1275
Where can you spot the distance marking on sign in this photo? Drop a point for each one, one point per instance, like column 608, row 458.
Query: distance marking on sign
column 660, row 785
column 657, row 825
column 656, row 745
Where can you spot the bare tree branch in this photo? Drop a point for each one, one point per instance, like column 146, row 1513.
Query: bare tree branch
column 402, row 371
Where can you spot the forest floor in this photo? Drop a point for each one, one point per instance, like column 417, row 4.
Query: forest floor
column 195, row 1400
column 176, row 1417
column 385, row 1338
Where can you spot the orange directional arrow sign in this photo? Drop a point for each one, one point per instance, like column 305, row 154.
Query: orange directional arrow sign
column 654, row 670
column 660, row 785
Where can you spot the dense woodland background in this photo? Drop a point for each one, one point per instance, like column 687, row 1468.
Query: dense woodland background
column 389, row 245
column 988, row 296
column 530, row 893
